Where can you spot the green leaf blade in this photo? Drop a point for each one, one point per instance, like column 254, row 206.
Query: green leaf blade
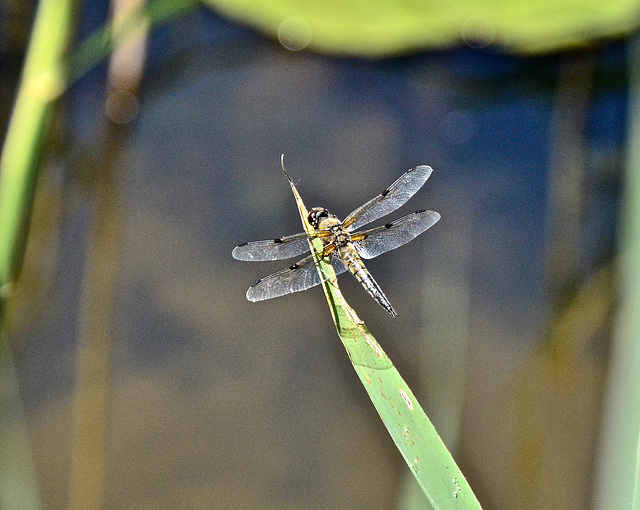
column 411, row 430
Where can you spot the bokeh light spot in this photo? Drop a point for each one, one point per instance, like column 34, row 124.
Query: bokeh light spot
column 121, row 107
column 294, row 34
column 478, row 32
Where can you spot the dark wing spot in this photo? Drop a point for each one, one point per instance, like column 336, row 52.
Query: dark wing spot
column 295, row 266
column 242, row 244
column 385, row 192
column 388, row 225
column 277, row 241
column 420, row 211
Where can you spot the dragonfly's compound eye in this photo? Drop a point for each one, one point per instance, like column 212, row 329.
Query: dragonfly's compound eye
column 316, row 215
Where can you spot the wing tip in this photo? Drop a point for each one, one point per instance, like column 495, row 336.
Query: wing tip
column 423, row 168
column 435, row 215
column 250, row 294
column 238, row 253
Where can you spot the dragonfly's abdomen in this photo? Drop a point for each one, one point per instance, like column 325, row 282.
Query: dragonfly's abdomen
column 356, row 267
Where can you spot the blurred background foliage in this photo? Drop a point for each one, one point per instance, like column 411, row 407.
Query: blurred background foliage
column 139, row 375
column 386, row 29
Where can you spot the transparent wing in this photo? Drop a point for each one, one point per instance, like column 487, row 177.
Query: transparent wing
column 300, row 276
column 272, row 249
column 376, row 241
column 390, row 199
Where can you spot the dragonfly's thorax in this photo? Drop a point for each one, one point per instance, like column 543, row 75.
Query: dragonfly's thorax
column 340, row 236
column 321, row 219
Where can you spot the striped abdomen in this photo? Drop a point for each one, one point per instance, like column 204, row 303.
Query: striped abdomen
column 354, row 264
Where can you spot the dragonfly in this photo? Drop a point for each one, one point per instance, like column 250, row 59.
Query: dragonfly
column 344, row 247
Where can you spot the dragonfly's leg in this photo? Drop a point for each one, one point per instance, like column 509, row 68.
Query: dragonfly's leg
column 327, row 250
column 334, row 283
column 330, row 248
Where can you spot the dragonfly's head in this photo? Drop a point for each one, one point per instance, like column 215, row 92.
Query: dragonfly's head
column 322, row 219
